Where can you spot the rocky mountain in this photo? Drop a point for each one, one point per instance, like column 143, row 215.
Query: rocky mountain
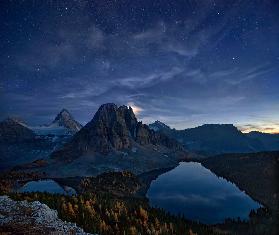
column 115, row 140
column 211, row 139
column 12, row 131
column 66, row 120
column 157, row 125
column 113, row 129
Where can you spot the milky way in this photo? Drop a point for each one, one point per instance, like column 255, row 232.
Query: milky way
column 182, row 62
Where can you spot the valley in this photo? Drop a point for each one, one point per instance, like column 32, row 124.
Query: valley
column 102, row 175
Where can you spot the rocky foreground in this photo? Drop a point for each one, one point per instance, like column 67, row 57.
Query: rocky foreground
column 22, row 217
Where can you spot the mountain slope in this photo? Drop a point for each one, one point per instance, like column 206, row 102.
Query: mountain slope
column 12, row 131
column 64, row 124
column 157, row 126
column 114, row 140
column 65, row 119
column 112, row 129
column 269, row 141
column 211, row 139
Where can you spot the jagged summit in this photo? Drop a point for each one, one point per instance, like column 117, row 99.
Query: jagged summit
column 65, row 119
column 119, row 119
column 64, row 114
column 112, row 129
column 157, row 125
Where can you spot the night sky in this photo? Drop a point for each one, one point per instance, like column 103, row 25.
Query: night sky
column 183, row 62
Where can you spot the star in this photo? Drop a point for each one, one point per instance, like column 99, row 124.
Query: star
column 138, row 47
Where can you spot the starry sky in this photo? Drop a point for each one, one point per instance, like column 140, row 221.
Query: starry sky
column 183, row 62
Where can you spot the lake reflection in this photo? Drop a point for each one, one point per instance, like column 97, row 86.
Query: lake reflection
column 49, row 186
column 196, row 192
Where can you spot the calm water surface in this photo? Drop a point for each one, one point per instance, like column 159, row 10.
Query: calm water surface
column 196, row 192
column 49, row 186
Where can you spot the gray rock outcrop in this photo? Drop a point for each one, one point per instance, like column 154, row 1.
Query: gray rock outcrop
column 33, row 218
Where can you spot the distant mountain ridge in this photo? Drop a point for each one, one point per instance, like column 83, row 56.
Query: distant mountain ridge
column 269, row 141
column 211, row 139
column 13, row 131
column 21, row 143
column 115, row 140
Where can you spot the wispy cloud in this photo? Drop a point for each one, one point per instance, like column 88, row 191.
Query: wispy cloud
column 178, row 71
column 238, row 76
column 232, row 76
column 72, row 44
column 149, row 79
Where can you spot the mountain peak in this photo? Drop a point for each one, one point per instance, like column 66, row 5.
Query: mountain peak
column 9, row 120
column 65, row 119
column 158, row 126
column 113, row 108
column 110, row 113
column 108, row 106
column 161, row 123
column 62, row 114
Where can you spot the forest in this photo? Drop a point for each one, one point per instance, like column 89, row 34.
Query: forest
column 103, row 214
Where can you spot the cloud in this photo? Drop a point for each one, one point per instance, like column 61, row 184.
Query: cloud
column 66, row 45
column 164, row 38
column 266, row 127
column 149, row 79
column 230, row 77
column 95, row 38
column 238, row 76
